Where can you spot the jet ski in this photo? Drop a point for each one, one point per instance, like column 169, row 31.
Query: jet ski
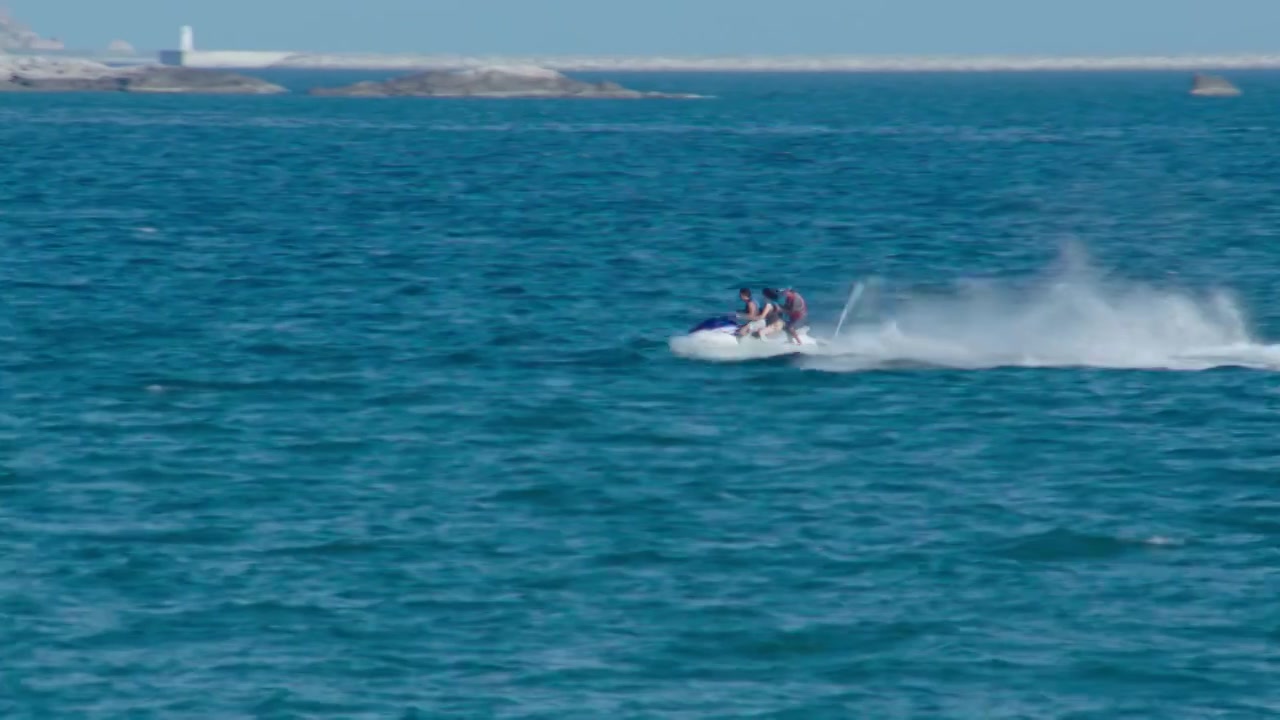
column 719, row 329
column 715, row 338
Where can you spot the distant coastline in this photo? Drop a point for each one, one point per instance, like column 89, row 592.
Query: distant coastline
column 848, row 64
column 257, row 60
column 328, row 61
column 17, row 39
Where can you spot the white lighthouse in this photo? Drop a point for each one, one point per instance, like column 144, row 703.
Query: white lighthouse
column 186, row 47
column 188, row 56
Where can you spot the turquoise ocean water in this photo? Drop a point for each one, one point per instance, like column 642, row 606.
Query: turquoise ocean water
column 368, row 409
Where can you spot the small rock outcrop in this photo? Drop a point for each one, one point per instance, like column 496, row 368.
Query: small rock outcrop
column 43, row 74
column 491, row 82
column 162, row 79
column 122, row 47
column 1213, row 86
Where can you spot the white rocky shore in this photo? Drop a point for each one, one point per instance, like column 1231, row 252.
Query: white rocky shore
column 52, row 74
column 799, row 63
column 493, row 82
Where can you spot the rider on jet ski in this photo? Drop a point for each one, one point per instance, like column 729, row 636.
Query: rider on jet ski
column 796, row 310
column 757, row 318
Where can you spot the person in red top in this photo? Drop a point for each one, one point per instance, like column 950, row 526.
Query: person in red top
column 797, row 313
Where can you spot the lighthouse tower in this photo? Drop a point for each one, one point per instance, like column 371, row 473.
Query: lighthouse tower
column 186, row 46
column 186, row 55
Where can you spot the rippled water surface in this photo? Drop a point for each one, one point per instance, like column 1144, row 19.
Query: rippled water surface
column 330, row 408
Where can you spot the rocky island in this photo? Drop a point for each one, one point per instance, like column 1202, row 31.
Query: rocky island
column 16, row 36
column 492, row 82
column 1213, row 86
column 45, row 74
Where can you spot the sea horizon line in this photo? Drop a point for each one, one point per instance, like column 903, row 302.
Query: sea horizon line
column 287, row 59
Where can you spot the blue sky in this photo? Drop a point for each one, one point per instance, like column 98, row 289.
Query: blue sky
column 686, row 27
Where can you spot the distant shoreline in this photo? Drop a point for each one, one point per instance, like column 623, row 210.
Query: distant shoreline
column 285, row 60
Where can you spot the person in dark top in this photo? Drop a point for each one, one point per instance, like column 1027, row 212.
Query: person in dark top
column 755, row 316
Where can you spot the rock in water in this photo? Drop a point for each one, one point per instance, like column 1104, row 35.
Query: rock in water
column 44, row 74
column 162, row 79
column 491, row 82
column 1213, row 86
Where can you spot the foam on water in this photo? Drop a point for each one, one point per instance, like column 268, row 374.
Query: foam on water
column 1073, row 317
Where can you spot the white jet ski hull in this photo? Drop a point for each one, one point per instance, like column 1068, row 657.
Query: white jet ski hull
column 715, row 338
